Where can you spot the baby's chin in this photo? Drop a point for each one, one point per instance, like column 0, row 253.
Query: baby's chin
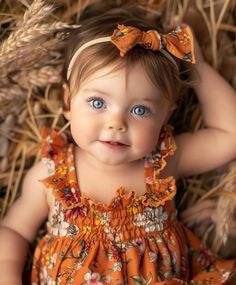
column 111, row 161
column 114, row 162
column 112, row 156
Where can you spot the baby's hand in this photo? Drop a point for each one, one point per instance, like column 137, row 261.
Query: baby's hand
column 200, row 215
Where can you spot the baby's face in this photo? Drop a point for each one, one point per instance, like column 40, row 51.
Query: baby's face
column 116, row 117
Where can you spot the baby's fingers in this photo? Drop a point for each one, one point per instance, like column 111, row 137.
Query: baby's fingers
column 202, row 212
column 201, row 229
column 198, row 207
column 202, row 217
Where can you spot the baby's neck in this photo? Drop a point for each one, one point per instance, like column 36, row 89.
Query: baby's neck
column 98, row 166
column 100, row 181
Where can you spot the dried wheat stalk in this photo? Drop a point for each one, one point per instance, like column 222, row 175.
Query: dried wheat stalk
column 33, row 48
column 226, row 208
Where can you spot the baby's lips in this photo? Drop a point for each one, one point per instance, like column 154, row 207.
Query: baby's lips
column 115, row 143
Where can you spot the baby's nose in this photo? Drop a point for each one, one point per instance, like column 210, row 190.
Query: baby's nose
column 117, row 123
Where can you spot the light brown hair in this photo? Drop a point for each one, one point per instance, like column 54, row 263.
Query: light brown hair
column 97, row 23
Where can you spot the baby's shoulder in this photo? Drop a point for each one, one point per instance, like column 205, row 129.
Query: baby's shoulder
column 33, row 177
column 34, row 191
column 37, row 171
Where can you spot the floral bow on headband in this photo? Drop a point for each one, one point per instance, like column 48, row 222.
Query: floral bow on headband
column 178, row 42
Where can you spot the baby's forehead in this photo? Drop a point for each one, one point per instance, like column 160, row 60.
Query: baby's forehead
column 126, row 77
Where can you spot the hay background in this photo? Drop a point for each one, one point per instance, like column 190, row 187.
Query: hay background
column 30, row 93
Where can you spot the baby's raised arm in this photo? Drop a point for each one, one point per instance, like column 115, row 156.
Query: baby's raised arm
column 215, row 144
column 21, row 224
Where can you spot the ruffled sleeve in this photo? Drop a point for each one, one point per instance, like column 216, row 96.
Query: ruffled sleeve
column 57, row 154
column 166, row 146
column 53, row 147
column 164, row 189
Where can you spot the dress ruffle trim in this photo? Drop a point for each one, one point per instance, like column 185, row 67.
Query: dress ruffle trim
column 58, row 154
column 166, row 147
column 130, row 200
column 52, row 144
column 62, row 180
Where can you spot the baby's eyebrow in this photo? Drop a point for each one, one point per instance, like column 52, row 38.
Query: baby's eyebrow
column 157, row 98
column 92, row 90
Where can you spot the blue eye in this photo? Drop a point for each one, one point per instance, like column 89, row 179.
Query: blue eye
column 140, row 110
column 97, row 103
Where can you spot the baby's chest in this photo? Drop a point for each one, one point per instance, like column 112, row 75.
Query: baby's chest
column 102, row 185
column 105, row 190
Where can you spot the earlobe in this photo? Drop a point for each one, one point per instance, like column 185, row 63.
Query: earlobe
column 66, row 101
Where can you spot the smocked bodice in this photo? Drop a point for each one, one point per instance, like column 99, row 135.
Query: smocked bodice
column 146, row 213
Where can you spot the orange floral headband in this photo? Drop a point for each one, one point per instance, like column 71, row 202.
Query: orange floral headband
column 178, row 42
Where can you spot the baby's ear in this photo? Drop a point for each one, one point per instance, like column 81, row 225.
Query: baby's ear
column 66, row 101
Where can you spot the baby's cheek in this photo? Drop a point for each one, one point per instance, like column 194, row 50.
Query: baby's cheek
column 147, row 138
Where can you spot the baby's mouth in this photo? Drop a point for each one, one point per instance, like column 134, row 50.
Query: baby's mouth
column 114, row 143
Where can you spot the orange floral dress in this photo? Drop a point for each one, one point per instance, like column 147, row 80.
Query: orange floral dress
column 133, row 240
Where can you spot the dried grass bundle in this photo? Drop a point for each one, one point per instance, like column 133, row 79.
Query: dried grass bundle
column 226, row 208
column 30, row 56
column 220, row 237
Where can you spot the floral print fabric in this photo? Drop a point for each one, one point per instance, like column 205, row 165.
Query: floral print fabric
column 132, row 240
column 178, row 42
